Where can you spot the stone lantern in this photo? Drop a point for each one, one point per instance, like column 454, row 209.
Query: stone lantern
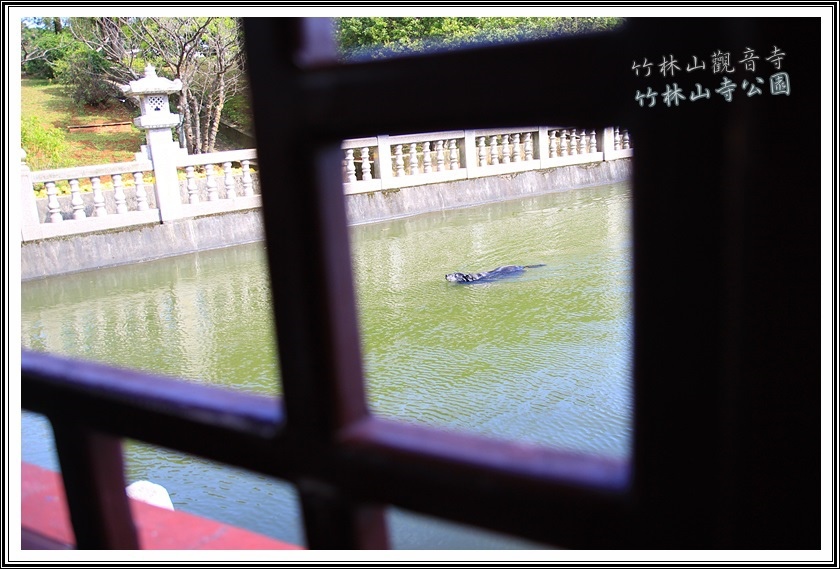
column 153, row 92
column 155, row 118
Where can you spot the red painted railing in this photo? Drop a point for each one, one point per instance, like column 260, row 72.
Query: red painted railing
column 45, row 522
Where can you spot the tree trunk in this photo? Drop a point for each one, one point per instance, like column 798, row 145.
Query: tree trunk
column 112, row 39
column 217, row 114
column 197, row 140
column 186, row 114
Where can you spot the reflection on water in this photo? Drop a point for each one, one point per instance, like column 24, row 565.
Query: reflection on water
column 542, row 357
column 205, row 317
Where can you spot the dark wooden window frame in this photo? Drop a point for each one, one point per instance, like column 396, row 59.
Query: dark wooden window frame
column 726, row 366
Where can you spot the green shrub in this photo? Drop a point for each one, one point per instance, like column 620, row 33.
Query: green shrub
column 237, row 110
column 46, row 146
column 54, row 47
column 81, row 71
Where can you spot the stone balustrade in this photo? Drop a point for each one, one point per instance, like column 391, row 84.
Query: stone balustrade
column 100, row 198
column 218, row 182
column 113, row 196
column 389, row 162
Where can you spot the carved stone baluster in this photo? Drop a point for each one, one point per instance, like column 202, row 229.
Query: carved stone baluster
column 247, row 182
column 53, row 207
column 529, row 147
column 482, row 152
column 349, row 166
column 140, row 192
column 573, row 142
column 366, row 163
column 625, row 141
column 212, row 190
column 584, row 143
column 412, row 159
column 505, row 149
column 616, row 139
column 593, row 142
column 76, row 200
column 439, row 155
column 98, row 199
column 119, row 193
column 398, row 160
column 552, row 144
column 494, row 150
column 454, row 155
column 564, row 143
column 192, row 186
column 230, row 183
column 427, row 158
column 516, row 148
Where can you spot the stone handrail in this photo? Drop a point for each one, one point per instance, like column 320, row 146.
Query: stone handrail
column 389, row 162
column 132, row 193
column 200, row 189
column 178, row 186
column 124, row 194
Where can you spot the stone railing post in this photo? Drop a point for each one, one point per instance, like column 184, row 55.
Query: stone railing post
column 468, row 151
column 382, row 161
column 155, row 118
column 606, row 141
column 542, row 143
column 163, row 152
column 29, row 207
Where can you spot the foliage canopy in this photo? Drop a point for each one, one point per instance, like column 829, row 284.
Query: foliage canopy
column 377, row 37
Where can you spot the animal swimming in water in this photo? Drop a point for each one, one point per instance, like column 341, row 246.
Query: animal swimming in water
column 497, row 273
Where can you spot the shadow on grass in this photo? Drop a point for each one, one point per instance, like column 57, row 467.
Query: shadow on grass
column 51, row 105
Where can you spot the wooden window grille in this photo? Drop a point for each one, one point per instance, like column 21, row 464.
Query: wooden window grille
column 726, row 331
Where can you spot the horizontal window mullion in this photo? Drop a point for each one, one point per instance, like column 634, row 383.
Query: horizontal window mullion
column 462, row 93
column 494, row 484
column 237, row 428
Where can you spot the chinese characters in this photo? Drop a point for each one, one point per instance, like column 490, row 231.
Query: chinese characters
column 721, row 64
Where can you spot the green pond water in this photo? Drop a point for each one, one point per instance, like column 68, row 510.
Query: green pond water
column 542, row 357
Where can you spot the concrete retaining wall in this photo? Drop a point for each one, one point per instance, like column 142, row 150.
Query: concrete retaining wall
column 48, row 257
column 413, row 200
column 60, row 255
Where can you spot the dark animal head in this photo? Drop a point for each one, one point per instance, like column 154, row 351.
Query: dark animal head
column 457, row 278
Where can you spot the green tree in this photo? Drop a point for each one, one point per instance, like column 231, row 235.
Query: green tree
column 43, row 43
column 376, row 37
column 84, row 73
column 113, row 39
column 206, row 54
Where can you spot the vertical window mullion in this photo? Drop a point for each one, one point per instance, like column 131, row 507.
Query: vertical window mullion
column 332, row 521
column 94, row 483
column 311, row 279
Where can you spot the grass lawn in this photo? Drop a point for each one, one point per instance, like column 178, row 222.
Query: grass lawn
column 46, row 103
column 51, row 108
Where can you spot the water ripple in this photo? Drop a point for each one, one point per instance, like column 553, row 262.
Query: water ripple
column 543, row 357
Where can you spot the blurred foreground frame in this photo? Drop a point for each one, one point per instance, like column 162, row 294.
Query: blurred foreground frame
column 726, row 373
column 726, row 211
